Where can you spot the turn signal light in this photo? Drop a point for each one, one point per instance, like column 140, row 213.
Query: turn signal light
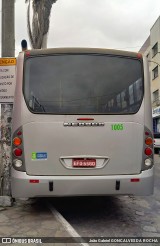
column 17, row 152
column 148, row 151
column 17, row 141
column 149, row 141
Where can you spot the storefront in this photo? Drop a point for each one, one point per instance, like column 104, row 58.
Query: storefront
column 156, row 119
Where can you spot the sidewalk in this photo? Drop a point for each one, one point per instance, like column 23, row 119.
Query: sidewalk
column 30, row 218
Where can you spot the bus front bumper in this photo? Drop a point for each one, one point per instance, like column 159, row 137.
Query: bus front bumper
column 25, row 186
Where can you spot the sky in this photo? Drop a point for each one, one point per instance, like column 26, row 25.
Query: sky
column 117, row 24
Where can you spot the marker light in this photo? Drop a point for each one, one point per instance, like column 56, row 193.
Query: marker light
column 27, row 53
column 34, row 181
column 17, row 163
column 17, row 141
column 148, row 151
column 19, row 133
column 85, row 119
column 148, row 162
column 139, row 55
column 149, row 141
column 17, row 152
column 135, row 180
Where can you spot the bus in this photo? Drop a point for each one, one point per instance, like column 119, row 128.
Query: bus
column 82, row 124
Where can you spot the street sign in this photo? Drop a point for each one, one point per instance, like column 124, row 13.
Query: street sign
column 7, row 79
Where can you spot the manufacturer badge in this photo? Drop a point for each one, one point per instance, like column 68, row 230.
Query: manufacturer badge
column 84, row 124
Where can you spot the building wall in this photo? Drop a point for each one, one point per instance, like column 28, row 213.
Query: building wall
column 155, row 39
column 153, row 55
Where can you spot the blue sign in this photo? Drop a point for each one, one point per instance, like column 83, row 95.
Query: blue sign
column 41, row 155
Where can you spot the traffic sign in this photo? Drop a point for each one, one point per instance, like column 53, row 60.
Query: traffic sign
column 7, row 79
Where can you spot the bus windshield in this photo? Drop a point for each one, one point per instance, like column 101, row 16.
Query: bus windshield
column 83, row 84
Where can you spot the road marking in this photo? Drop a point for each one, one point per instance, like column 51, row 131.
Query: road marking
column 65, row 223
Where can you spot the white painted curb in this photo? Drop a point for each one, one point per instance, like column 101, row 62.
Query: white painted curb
column 65, row 223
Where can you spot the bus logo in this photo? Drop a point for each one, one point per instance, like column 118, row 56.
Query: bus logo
column 83, row 124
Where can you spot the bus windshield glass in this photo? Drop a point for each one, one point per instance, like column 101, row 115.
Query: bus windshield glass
column 83, row 84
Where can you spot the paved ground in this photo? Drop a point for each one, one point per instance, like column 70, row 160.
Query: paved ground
column 30, row 219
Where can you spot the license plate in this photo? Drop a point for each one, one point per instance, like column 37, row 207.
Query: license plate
column 84, row 163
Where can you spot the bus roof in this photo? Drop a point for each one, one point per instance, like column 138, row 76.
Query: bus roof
column 37, row 52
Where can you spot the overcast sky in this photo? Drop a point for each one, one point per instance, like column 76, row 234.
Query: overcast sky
column 119, row 24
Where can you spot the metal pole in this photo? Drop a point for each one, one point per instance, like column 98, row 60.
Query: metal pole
column 8, row 50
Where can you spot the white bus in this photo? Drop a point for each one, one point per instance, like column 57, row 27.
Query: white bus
column 82, row 124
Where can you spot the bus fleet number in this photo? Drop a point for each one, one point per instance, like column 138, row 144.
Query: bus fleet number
column 117, row 127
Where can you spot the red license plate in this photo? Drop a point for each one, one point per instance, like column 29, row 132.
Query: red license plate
column 84, row 163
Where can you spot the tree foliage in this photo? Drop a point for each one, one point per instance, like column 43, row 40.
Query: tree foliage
column 40, row 21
